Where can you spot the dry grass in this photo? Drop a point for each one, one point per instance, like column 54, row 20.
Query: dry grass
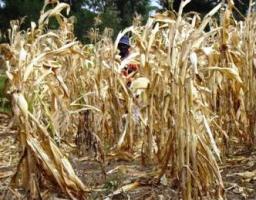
column 193, row 94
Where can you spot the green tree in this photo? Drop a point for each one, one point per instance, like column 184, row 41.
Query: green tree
column 115, row 14
column 129, row 8
column 30, row 9
column 201, row 6
column 15, row 9
column 204, row 6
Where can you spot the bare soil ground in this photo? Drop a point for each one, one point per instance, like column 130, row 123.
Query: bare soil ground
column 238, row 172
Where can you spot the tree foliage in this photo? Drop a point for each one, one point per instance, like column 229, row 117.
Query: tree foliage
column 128, row 8
column 115, row 14
column 204, row 6
column 14, row 9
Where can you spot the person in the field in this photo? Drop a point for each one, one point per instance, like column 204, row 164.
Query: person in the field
column 124, row 51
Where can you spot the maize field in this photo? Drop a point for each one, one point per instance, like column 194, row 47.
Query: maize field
column 78, row 132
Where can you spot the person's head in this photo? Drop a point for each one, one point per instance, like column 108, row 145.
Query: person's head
column 124, row 46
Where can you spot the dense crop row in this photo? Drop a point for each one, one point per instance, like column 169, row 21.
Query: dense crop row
column 194, row 94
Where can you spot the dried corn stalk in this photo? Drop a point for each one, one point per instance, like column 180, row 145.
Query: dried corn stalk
column 193, row 92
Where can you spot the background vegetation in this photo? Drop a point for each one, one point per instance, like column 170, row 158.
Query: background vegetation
column 114, row 14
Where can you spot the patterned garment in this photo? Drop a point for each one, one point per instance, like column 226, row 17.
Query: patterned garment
column 129, row 71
